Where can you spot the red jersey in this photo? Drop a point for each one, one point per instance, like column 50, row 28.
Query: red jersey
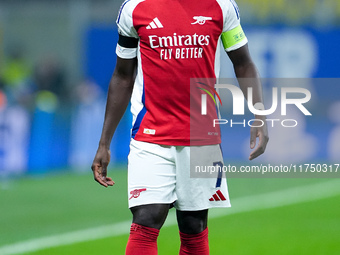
column 178, row 40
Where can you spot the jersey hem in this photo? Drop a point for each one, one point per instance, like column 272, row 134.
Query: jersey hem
column 178, row 142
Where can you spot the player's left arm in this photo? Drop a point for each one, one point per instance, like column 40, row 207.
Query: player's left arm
column 245, row 68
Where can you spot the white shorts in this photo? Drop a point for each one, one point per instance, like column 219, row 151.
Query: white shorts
column 159, row 174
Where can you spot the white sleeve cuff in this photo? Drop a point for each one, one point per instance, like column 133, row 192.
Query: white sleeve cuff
column 126, row 53
column 238, row 45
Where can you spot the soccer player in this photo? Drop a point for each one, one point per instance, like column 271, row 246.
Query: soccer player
column 162, row 45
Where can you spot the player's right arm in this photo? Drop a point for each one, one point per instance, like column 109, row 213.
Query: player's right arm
column 120, row 89
column 118, row 97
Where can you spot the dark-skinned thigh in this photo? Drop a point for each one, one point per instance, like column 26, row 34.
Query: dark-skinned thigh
column 152, row 215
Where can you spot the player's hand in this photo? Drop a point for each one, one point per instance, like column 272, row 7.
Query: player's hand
column 99, row 167
column 262, row 134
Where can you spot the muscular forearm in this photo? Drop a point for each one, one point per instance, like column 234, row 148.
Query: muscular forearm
column 246, row 73
column 118, row 98
column 248, row 77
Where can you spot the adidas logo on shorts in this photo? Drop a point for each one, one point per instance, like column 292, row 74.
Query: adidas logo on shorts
column 218, row 196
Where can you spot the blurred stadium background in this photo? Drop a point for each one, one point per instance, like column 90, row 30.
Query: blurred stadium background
column 56, row 59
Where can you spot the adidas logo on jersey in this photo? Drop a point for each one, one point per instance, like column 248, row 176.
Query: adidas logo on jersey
column 218, row 196
column 155, row 23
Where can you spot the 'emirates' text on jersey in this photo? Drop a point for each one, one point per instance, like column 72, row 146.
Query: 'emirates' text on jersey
column 178, row 40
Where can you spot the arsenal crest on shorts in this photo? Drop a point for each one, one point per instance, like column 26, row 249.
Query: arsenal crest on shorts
column 135, row 193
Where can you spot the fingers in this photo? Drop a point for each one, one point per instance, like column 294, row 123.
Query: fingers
column 99, row 173
column 109, row 181
column 261, row 147
column 252, row 138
